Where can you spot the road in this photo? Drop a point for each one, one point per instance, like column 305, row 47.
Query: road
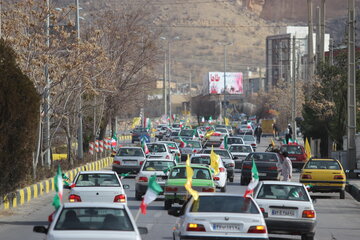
column 337, row 219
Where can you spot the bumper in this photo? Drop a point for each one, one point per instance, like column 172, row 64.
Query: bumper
column 324, row 186
column 222, row 238
column 141, row 188
column 289, row 226
column 176, row 198
column 125, row 169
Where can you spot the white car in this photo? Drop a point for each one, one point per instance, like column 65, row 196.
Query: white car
column 227, row 159
column 249, row 139
column 92, row 221
column 240, row 151
column 173, row 148
column 219, row 216
column 128, row 159
column 159, row 167
column 288, row 207
column 97, row 186
column 160, row 150
column 235, row 140
column 221, row 177
column 217, row 137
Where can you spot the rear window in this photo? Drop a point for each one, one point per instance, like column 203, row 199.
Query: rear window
column 175, row 134
column 157, row 165
column 187, row 133
column 222, row 153
column 97, row 180
column 292, row 149
column 221, row 130
column 193, row 144
column 245, row 149
column 283, row 192
column 172, row 145
column 224, row 204
column 199, row 173
column 235, row 141
column 201, row 160
column 248, row 138
column 130, row 152
column 333, row 165
column 265, row 157
column 94, row 219
column 156, row 148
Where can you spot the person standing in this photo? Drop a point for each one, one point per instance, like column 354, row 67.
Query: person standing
column 275, row 131
column 288, row 133
column 258, row 133
column 286, row 167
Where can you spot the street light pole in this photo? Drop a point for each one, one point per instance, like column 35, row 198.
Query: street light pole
column 80, row 129
column 46, row 138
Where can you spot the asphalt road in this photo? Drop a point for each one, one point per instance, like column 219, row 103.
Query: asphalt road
column 337, row 219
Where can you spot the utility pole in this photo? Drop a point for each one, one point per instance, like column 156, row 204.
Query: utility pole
column 322, row 31
column 318, row 17
column 331, row 54
column 169, row 79
column 46, row 138
column 80, row 129
column 351, row 92
column 310, row 42
column 225, row 64
column 164, row 86
column 293, row 109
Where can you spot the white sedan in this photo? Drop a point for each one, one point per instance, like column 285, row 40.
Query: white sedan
column 240, row 151
column 288, row 208
column 219, row 216
column 105, row 221
column 221, row 177
column 97, row 186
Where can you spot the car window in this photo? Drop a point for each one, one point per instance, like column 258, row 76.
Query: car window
column 187, row 133
column 178, row 173
column 222, row 153
column 221, row 130
column 97, row 180
column 245, row 149
column 224, row 204
column 199, row 173
column 322, row 165
column 292, row 149
column 154, row 148
column 94, row 219
column 157, row 165
column 283, row 192
column 235, row 141
column 193, row 144
column 201, row 160
column 265, row 157
column 172, row 145
column 248, row 138
column 130, row 152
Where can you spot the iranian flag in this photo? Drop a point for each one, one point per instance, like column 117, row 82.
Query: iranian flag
column 153, row 190
column 224, row 143
column 58, row 183
column 254, row 179
column 144, row 146
column 114, row 141
column 182, row 143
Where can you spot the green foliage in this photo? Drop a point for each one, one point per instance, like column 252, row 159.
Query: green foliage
column 19, row 115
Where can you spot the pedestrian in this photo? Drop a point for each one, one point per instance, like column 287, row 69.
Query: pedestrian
column 286, row 167
column 275, row 131
column 258, row 133
column 288, row 133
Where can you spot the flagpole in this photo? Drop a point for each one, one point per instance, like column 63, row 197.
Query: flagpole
column 137, row 215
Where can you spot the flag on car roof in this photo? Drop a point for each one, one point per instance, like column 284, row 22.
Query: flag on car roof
column 183, row 143
column 226, row 121
column 188, row 184
column 307, row 149
column 144, row 146
column 254, row 180
column 58, row 183
column 224, row 143
column 214, row 161
column 153, row 190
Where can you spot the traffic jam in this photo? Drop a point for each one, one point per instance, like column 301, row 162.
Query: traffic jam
column 189, row 169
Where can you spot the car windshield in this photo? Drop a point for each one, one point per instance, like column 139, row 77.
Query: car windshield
column 245, row 149
column 175, row 134
column 249, row 138
column 224, row 204
column 157, row 165
column 193, row 144
column 292, row 149
column 97, row 180
column 221, row 130
column 265, row 157
column 154, row 148
column 222, row 153
column 130, row 152
column 94, row 219
column 283, row 192
column 199, row 173
column 187, row 133
column 235, row 141
column 333, row 165
column 201, row 160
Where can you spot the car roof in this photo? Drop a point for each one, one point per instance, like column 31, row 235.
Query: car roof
column 237, row 144
column 165, row 142
column 99, row 172
column 94, row 204
column 281, row 183
column 158, row 159
column 217, row 149
column 200, row 155
column 323, row 159
column 129, row 147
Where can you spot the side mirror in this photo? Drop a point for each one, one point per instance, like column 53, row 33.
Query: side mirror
column 126, row 186
column 265, row 214
column 174, row 211
column 40, row 229
column 143, row 230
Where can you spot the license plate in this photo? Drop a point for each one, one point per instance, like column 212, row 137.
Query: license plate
column 227, row 227
column 262, row 174
column 130, row 163
column 283, row 212
column 293, row 158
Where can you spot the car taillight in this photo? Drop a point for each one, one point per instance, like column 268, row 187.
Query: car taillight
column 194, row 151
column 273, row 168
column 216, row 178
column 246, row 167
column 339, row 177
column 117, row 162
column 167, row 157
column 257, row 229
column 262, row 209
column 306, row 176
column 195, row 227
column 120, row 198
column 308, row 214
column 143, row 179
column 74, row 198
column 253, row 144
column 208, row 190
column 171, row 189
column 222, row 169
column 141, row 163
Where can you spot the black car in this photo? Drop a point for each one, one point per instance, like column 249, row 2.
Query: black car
column 138, row 133
column 267, row 163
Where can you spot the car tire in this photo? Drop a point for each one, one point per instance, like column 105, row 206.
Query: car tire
column 167, row 204
column 307, row 236
column 342, row 194
column 231, row 179
column 223, row 189
column 138, row 196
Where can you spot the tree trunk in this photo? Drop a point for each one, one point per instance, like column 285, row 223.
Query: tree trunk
column 37, row 154
column 103, row 125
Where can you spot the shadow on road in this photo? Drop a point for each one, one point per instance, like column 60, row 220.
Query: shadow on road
column 25, row 223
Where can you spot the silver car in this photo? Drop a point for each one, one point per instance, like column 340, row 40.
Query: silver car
column 159, row 167
column 248, row 139
column 128, row 159
column 227, row 159
column 240, row 151
column 219, row 216
column 92, row 221
column 97, row 186
column 191, row 147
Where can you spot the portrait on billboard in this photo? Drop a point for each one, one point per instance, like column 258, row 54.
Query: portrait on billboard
column 234, row 82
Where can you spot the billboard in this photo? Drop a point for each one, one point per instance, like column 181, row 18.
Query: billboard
column 234, row 83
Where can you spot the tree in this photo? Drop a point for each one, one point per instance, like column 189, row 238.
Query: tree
column 19, row 115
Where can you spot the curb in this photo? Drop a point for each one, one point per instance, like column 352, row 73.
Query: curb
column 24, row 195
column 354, row 191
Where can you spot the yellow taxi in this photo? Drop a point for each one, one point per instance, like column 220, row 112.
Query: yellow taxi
column 324, row 175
